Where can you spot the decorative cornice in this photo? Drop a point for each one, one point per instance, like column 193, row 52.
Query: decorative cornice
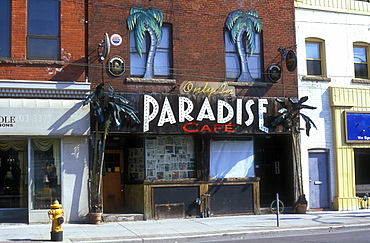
column 43, row 89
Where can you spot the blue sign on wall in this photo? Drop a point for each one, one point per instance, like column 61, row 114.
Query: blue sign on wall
column 357, row 127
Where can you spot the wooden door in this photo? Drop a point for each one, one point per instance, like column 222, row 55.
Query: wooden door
column 113, row 194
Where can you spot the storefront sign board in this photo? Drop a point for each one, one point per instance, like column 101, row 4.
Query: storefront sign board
column 357, row 127
column 190, row 114
column 43, row 117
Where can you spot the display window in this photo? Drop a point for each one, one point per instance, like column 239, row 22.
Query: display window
column 45, row 172
column 231, row 158
column 163, row 157
column 13, row 173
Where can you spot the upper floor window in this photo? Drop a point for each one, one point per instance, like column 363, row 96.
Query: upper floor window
column 233, row 62
column 315, row 57
column 43, row 27
column 5, row 11
column 163, row 54
column 361, row 56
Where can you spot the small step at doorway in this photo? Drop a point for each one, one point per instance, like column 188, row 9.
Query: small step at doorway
column 111, row 217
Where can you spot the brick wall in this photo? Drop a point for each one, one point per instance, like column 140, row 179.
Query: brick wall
column 198, row 42
column 72, row 37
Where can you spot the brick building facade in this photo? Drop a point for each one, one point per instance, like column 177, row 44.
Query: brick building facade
column 43, row 148
column 198, row 52
column 170, row 163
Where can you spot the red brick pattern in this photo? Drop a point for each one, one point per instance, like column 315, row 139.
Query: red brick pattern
column 72, row 38
column 198, row 47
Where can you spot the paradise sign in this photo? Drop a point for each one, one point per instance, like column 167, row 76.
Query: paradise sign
column 203, row 114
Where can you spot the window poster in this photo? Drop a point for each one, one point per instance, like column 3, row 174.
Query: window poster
column 169, row 157
column 136, row 163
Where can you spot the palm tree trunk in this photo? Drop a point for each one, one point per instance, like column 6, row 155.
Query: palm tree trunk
column 93, row 192
column 106, row 131
column 245, row 73
column 298, row 183
column 149, row 69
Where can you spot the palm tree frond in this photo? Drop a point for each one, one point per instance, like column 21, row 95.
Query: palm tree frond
column 232, row 17
column 257, row 24
column 249, row 28
column 132, row 19
column 303, row 99
column 308, row 122
column 294, row 100
column 238, row 26
column 115, row 114
column 136, row 10
column 155, row 26
column 308, row 107
column 157, row 15
column 282, row 110
column 98, row 112
column 279, row 119
column 119, row 97
column 252, row 13
column 91, row 96
column 110, row 89
column 139, row 34
column 129, row 110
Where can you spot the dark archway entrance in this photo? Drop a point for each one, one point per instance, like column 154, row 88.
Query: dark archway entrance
column 274, row 165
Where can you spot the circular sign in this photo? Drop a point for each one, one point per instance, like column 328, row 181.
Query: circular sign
column 274, row 73
column 291, row 61
column 116, row 66
column 116, row 39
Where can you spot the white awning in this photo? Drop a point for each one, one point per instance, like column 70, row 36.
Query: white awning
column 44, row 117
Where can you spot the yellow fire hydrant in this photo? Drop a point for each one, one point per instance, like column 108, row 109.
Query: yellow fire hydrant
column 56, row 214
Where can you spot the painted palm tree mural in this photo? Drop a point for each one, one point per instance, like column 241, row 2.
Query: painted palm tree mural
column 242, row 23
column 141, row 21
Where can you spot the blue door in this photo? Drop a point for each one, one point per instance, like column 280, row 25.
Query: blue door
column 318, row 178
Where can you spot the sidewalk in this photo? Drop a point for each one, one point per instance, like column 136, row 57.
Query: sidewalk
column 193, row 229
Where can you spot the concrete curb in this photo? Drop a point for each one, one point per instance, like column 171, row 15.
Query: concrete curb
column 252, row 234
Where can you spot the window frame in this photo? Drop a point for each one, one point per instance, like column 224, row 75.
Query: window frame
column 30, row 37
column 321, row 44
column 145, row 49
column 258, row 52
column 7, row 29
column 367, row 55
column 41, row 167
column 223, row 165
column 166, row 146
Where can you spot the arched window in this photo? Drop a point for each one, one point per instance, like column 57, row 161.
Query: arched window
column 361, row 59
column 315, row 57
